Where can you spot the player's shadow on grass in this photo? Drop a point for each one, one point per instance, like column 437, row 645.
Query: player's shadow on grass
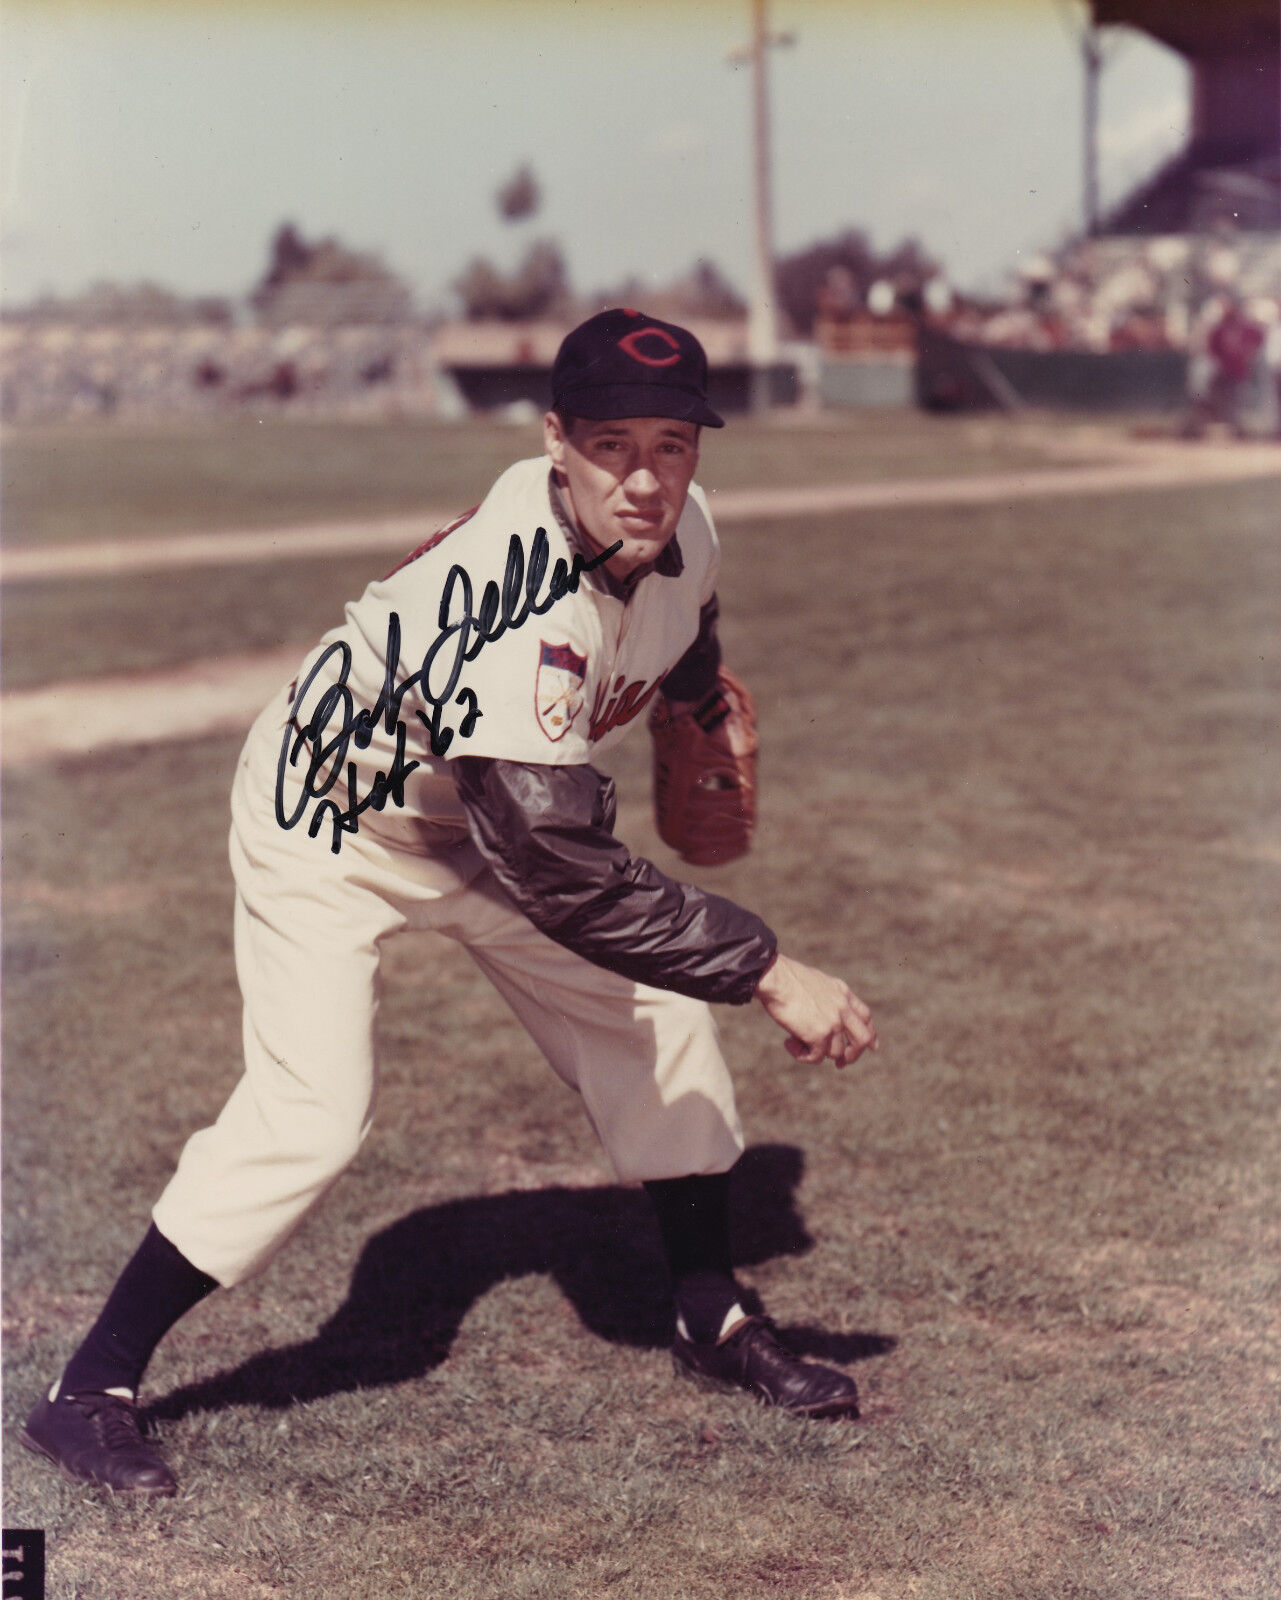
column 416, row 1281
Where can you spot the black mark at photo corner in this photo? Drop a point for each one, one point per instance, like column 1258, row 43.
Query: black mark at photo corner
column 23, row 1564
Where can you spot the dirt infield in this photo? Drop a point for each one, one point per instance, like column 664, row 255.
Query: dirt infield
column 202, row 697
column 223, row 694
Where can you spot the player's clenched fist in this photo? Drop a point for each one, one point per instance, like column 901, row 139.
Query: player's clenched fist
column 822, row 1014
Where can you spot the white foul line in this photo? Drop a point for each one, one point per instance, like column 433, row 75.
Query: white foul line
column 217, row 695
column 223, row 695
column 1157, row 467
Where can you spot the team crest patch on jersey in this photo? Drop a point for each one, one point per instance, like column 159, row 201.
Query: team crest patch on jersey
column 558, row 691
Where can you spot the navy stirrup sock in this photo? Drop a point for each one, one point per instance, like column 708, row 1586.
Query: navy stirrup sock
column 693, row 1217
column 158, row 1286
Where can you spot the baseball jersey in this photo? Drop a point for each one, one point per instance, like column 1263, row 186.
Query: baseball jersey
column 466, row 694
column 496, row 638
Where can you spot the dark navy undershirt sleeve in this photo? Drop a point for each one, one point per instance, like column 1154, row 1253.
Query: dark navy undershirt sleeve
column 694, row 675
column 547, row 834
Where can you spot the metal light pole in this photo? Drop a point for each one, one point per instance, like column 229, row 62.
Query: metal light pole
column 1092, row 53
column 762, row 325
column 1079, row 20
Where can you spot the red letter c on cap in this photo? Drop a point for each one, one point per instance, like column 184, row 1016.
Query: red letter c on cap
column 632, row 346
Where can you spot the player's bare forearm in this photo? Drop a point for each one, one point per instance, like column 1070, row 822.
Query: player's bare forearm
column 821, row 1015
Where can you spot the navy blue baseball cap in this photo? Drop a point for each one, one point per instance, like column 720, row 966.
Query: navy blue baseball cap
column 622, row 363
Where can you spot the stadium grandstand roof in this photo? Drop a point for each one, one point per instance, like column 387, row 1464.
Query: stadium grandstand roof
column 1200, row 28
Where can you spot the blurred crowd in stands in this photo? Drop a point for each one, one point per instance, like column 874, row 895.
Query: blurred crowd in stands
column 326, row 329
column 329, row 330
column 1215, row 300
column 1119, row 293
column 65, row 369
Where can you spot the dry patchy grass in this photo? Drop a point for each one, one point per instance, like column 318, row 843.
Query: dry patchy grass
column 1019, row 778
column 126, row 481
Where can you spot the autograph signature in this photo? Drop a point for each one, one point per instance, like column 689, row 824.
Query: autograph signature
column 462, row 636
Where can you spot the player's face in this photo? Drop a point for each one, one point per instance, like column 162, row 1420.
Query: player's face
column 625, row 481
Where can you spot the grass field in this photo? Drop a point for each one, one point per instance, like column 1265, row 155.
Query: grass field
column 125, row 480
column 1019, row 785
column 133, row 482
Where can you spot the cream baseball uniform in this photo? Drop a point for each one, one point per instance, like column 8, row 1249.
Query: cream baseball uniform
column 559, row 670
column 431, row 768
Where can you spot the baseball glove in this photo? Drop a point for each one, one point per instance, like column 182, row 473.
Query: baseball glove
column 705, row 773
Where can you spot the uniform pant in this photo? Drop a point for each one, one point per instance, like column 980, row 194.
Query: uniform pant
column 309, row 926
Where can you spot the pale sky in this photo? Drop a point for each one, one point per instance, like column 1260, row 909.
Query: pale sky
column 166, row 141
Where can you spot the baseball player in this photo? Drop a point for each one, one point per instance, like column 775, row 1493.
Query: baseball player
column 431, row 767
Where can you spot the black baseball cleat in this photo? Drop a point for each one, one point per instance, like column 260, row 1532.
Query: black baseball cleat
column 750, row 1357
column 95, row 1438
